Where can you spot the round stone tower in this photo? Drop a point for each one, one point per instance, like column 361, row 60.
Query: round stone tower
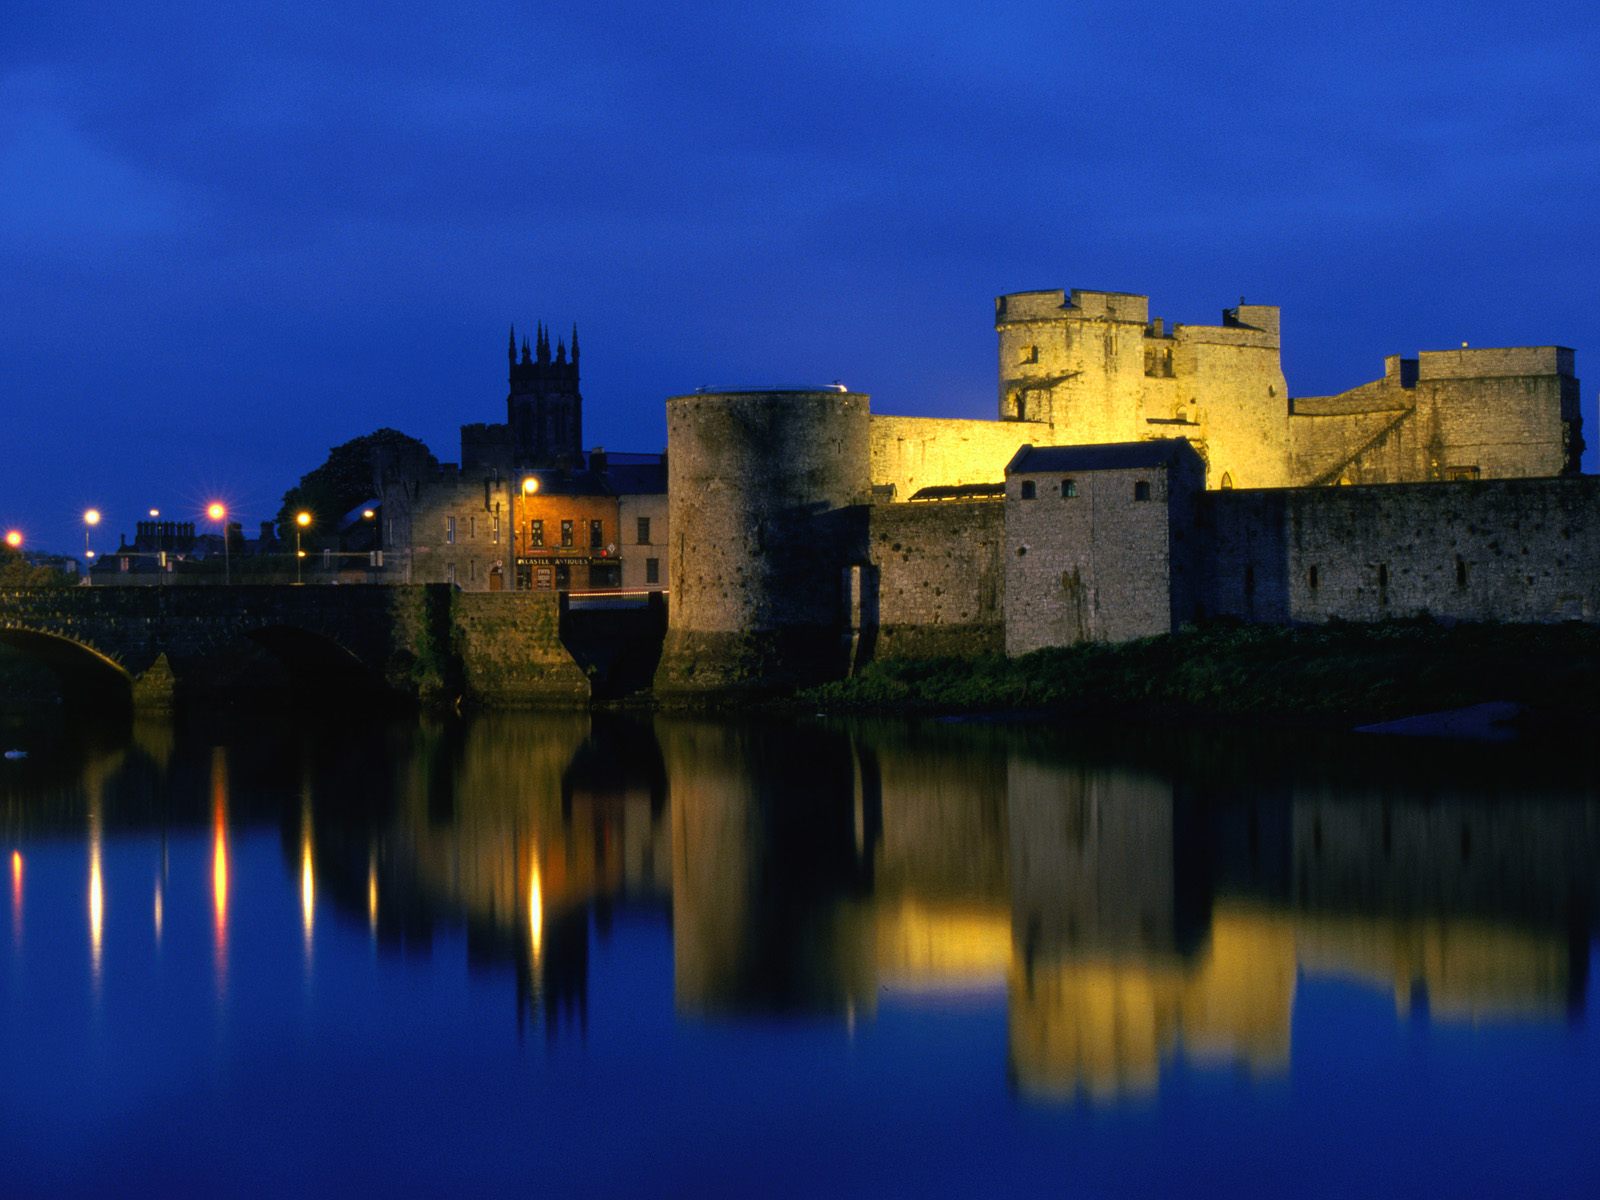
column 767, row 509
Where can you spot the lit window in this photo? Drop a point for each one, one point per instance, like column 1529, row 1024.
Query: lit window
column 450, row 533
column 536, row 533
column 450, row 573
column 566, row 533
column 494, row 528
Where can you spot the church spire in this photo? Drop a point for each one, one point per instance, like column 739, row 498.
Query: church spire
column 561, row 352
column 574, row 343
column 512, row 353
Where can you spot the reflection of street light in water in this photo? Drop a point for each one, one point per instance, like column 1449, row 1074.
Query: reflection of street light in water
column 535, row 910
column 16, row 897
column 97, row 893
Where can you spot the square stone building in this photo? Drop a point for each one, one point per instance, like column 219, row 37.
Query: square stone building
column 1100, row 542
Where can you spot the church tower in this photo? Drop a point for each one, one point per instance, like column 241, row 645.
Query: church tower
column 544, row 407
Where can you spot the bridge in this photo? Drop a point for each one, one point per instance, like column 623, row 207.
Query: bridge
column 146, row 647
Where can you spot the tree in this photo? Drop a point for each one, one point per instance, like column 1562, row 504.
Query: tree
column 345, row 480
column 17, row 572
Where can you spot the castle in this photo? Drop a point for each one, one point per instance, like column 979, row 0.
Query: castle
column 1136, row 478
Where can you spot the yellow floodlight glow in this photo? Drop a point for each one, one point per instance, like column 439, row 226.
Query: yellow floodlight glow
column 14, row 538
column 302, row 519
column 530, row 485
column 92, row 517
column 367, row 514
column 216, row 511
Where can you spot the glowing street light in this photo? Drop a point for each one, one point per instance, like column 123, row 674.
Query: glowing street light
column 302, row 522
column 219, row 512
column 91, row 518
column 14, row 539
column 530, row 485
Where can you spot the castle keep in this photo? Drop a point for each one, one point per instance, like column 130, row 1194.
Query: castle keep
column 1136, row 477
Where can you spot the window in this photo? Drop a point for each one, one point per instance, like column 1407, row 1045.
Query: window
column 1141, row 490
column 1461, row 473
column 472, row 526
column 1249, row 580
column 1383, row 575
column 450, row 533
column 596, row 535
column 566, row 533
column 1069, row 488
column 472, row 568
column 1461, row 572
column 450, row 573
column 1227, row 482
column 1027, row 489
column 652, row 570
column 494, row 528
column 1312, row 578
column 536, row 533
column 644, row 531
column 1027, row 354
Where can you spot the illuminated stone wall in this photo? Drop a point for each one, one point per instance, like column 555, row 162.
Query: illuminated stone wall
column 940, row 584
column 911, row 453
column 1087, row 560
column 1489, row 414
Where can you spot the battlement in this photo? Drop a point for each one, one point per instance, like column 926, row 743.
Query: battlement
column 1080, row 306
column 1495, row 362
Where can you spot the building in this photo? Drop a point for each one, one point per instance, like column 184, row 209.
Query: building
column 527, row 508
column 1136, row 477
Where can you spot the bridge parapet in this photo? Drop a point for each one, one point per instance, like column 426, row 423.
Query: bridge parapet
column 426, row 642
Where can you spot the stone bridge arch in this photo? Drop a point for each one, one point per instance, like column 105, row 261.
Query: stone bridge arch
column 88, row 675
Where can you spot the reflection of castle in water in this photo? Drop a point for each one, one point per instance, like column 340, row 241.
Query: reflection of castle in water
column 1127, row 918
column 1130, row 919
column 1128, row 915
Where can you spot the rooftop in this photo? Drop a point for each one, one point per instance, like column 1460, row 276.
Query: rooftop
column 1112, row 456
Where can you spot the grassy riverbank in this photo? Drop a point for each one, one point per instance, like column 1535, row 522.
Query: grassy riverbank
column 1313, row 675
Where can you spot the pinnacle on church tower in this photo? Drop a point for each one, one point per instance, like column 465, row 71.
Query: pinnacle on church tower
column 512, row 353
column 574, row 343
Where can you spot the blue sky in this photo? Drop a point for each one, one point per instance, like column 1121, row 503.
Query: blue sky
column 233, row 236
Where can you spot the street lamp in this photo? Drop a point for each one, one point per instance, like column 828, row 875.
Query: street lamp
column 14, row 539
column 302, row 521
column 219, row 512
column 530, row 485
column 91, row 518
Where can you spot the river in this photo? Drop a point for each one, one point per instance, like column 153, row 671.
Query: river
column 630, row 956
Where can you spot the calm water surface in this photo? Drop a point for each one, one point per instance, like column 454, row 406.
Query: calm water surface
column 563, row 956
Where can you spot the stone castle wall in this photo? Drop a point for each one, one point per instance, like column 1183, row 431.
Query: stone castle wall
column 940, row 582
column 1501, row 550
column 917, row 452
column 767, row 500
column 1096, row 562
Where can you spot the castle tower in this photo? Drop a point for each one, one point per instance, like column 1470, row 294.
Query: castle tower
column 768, row 494
column 544, row 407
